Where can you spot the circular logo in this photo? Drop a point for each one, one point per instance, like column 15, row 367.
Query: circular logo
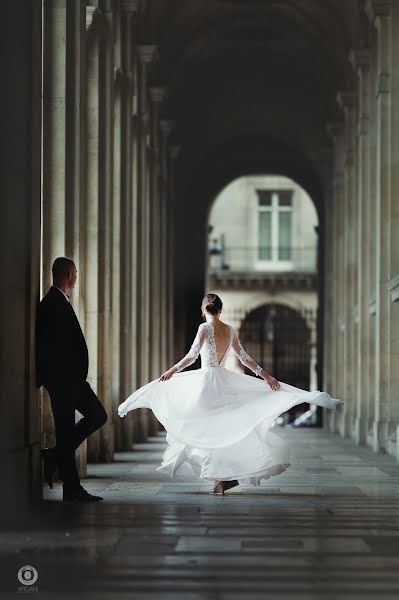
column 27, row 575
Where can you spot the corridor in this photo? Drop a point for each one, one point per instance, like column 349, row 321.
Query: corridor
column 168, row 149
column 326, row 528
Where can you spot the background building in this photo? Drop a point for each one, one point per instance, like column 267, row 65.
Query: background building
column 263, row 263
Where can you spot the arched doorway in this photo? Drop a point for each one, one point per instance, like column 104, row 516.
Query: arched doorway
column 279, row 338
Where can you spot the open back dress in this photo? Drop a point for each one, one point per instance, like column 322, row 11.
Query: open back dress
column 219, row 421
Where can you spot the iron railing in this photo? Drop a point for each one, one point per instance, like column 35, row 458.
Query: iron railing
column 262, row 258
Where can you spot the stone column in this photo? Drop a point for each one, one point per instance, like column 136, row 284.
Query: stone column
column 105, row 233
column 360, row 60
column 54, row 125
column 20, row 206
column 64, row 92
column 393, row 284
column 337, row 133
column 97, row 272
column 173, row 155
column 75, row 157
column 347, row 101
column 117, row 343
column 128, row 356
column 157, row 95
column 133, row 429
column 313, row 357
column 166, row 126
column 379, row 13
column 146, row 54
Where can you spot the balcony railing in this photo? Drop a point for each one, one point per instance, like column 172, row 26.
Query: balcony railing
column 262, row 259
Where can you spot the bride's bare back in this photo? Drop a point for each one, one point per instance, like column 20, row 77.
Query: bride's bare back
column 222, row 334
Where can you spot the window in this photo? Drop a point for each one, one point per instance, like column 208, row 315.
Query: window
column 275, row 225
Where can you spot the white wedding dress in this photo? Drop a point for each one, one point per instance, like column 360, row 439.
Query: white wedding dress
column 219, row 421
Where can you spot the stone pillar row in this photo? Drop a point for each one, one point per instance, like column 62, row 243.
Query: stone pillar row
column 364, row 360
column 106, row 203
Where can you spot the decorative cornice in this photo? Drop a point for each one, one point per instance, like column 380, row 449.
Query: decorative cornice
column 227, row 279
column 393, row 287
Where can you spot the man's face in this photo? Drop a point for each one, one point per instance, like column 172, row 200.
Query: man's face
column 72, row 277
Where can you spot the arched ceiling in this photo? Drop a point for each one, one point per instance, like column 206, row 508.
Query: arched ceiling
column 253, row 70
column 251, row 86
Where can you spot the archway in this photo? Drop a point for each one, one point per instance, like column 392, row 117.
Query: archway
column 279, row 338
column 263, row 258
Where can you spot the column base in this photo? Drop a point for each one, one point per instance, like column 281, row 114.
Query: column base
column 107, row 435
column 81, row 459
column 380, row 437
column 360, row 431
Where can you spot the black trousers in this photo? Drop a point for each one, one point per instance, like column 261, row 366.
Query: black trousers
column 69, row 435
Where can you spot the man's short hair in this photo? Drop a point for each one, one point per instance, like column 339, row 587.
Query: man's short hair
column 62, row 267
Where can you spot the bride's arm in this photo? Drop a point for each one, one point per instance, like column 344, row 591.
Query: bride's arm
column 249, row 362
column 190, row 357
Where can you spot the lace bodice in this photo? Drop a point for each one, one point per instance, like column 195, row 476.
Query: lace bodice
column 205, row 344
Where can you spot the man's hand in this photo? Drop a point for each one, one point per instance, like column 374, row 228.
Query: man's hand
column 274, row 384
column 168, row 374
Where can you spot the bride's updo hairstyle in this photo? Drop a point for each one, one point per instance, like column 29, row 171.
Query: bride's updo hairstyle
column 212, row 303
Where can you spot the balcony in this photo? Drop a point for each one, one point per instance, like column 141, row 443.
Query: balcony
column 274, row 267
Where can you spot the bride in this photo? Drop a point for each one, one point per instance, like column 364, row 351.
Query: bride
column 219, row 421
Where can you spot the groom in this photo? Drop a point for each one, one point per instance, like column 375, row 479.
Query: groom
column 62, row 366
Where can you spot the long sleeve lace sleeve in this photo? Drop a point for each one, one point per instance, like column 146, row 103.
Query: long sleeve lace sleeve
column 244, row 357
column 194, row 351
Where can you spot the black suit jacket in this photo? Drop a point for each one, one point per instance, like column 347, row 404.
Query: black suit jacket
column 61, row 351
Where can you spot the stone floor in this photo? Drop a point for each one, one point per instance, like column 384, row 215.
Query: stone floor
column 327, row 528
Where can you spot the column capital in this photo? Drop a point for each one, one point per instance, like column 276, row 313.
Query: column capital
column 130, row 5
column 92, row 15
column 166, row 126
column 346, row 99
column 134, row 8
column 147, row 53
column 378, row 8
column 158, row 94
column 360, row 58
column 335, row 129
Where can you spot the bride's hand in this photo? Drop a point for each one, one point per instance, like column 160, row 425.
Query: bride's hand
column 168, row 374
column 274, row 384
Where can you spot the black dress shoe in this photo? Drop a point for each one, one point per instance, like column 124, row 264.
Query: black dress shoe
column 50, row 464
column 79, row 495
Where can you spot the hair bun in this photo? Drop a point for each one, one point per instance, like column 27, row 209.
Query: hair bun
column 212, row 303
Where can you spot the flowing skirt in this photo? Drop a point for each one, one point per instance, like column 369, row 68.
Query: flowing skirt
column 219, row 422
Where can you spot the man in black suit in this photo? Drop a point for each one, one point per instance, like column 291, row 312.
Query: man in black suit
column 62, row 366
